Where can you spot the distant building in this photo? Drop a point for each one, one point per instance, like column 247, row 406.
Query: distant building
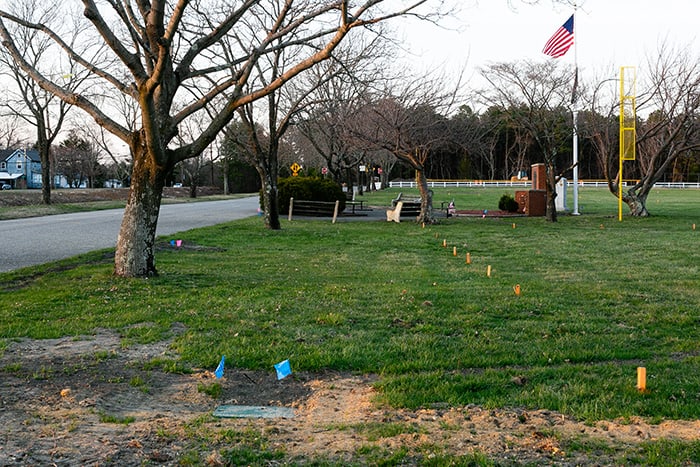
column 113, row 183
column 20, row 168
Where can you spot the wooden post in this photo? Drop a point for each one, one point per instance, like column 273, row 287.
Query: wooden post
column 469, row 258
column 454, row 251
column 335, row 211
column 291, row 208
column 488, row 271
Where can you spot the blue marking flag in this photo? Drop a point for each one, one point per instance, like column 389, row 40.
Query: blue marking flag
column 561, row 41
column 283, row 369
column 219, row 372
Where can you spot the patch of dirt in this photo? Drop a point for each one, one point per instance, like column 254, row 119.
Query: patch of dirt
column 93, row 401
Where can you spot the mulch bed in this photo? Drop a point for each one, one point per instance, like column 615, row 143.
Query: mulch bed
column 488, row 213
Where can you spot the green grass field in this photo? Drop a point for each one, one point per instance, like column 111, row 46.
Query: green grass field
column 599, row 298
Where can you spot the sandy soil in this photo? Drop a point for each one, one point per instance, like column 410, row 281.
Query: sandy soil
column 62, row 401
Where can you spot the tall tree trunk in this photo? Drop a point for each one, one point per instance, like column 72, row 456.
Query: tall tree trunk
column 135, row 255
column 225, row 167
column 43, row 147
column 426, row 196
column 45, row 179
column 270, row 198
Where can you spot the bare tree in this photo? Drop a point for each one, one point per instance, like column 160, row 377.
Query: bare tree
column 481, row 136
column 599, row 124
column 161, row 52
column 325, row 124
column 268, row 120
column 672, row 129
column 36, row 106
column 668, row 93
column 77, row 159
column 9, row 132
column 410, row 121
column 121, row 161
column 260, row 144
column 536, row 97
column 119, row 164
column 192, row 169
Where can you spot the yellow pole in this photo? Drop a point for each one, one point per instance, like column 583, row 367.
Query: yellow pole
column 622, row 142
column 619, row 192
column 628, row 117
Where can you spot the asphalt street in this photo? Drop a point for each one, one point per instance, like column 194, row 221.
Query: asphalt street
column 38, row 240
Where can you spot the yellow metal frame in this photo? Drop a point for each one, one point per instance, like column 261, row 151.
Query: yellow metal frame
column 628, row 118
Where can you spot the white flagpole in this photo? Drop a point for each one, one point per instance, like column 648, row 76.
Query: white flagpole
column 575, row 114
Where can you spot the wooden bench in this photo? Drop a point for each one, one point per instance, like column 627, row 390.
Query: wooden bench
column 313, row 208
column 394, row 214
column 410, row 206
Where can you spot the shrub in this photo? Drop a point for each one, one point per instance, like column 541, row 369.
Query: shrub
column 309, row 189
column 508, row 203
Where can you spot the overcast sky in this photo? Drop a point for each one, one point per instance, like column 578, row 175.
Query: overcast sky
column 608, row 33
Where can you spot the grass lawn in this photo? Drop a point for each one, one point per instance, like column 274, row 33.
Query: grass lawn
column 599, row 298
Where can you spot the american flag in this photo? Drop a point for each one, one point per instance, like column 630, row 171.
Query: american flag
column 559, row 43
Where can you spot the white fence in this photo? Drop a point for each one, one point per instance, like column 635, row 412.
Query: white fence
column 522, row 183
column 676, row 185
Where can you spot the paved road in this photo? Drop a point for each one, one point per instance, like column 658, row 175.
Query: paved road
column 37, row 240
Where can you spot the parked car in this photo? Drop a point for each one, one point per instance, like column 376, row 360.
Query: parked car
column 6, row 186
column 177, row 185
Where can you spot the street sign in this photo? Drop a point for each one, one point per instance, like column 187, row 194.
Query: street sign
column 295, row 169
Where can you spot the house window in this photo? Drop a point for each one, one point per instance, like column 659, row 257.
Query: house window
column 3, row 165
column 19, row 164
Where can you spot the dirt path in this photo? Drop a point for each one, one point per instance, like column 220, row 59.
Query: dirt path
column 91, row 401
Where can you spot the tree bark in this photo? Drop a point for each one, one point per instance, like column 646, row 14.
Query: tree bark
column 426, row 196
column 270, row 198
column 637, row 202
column 225, row 165
column 46, row 180
column 551, row 195
column 135, row 255
column 43, row 149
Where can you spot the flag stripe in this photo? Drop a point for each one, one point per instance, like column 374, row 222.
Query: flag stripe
column 561, row 41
